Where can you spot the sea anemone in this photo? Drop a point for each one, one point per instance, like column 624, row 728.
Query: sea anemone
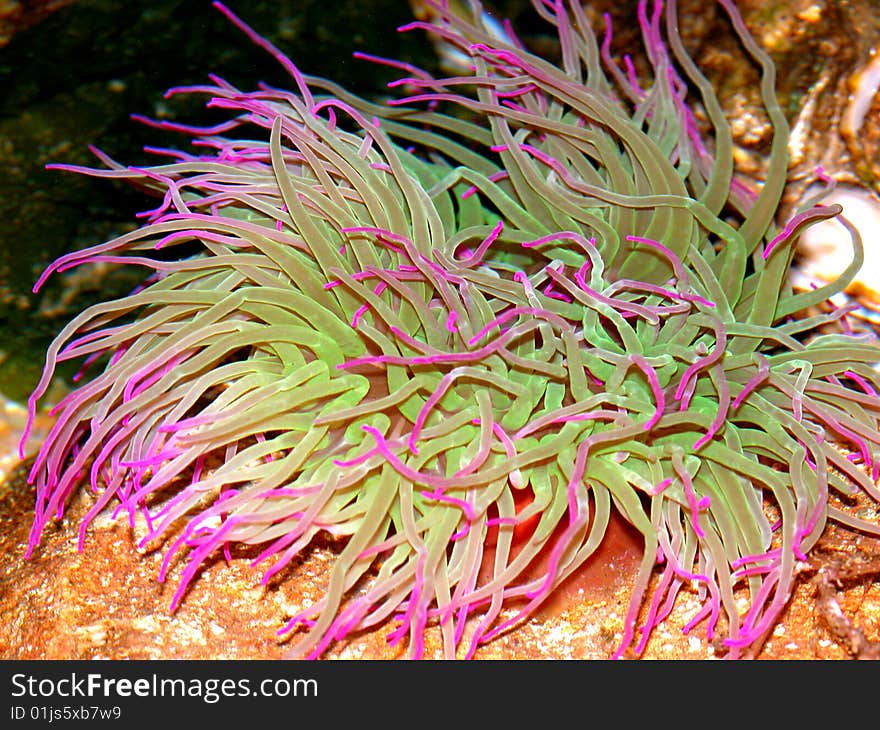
column 505, row 305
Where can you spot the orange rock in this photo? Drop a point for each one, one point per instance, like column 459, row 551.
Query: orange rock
column 106, row 603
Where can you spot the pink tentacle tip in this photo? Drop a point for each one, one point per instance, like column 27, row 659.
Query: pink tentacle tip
column 450, row 321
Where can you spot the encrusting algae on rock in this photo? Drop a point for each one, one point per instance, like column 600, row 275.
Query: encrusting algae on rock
column 460, row 329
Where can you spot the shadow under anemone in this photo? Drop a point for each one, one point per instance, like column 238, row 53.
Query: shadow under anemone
column 525, row 295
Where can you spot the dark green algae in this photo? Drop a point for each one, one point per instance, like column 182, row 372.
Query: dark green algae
column 75, row 78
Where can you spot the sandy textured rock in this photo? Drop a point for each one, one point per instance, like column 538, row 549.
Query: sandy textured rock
column 106, row 602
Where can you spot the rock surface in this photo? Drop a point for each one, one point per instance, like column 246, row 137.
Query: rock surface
column 105, row 603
